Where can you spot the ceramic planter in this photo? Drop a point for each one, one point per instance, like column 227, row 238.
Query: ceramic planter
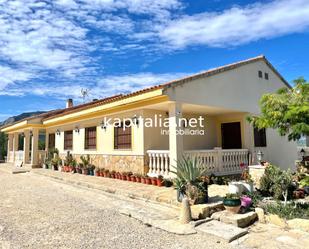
column 148, row 181
column 232, row 205
column 138, row 179
column 133, row 178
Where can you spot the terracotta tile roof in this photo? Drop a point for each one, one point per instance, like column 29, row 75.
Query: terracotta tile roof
column 61, row 112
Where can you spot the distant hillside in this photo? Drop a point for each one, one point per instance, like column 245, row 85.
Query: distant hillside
column 19, row 117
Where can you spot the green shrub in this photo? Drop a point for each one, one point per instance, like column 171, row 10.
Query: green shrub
column 304, row 182
column 289, row 211
column 276, row 182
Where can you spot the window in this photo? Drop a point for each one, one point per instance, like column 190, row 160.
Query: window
column 123, row 137
column 51, row 141
column 260, row 74
column 266, row 76
column 68, row 140
column 90, row 138
column 259, row 137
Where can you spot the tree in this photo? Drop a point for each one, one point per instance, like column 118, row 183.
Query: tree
column 3, row 145
column 287, row 111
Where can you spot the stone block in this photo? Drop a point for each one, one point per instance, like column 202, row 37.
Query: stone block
column 239, row 220
column 202, row 211
column 260, row 214
column 224, row 231
column 301, row 224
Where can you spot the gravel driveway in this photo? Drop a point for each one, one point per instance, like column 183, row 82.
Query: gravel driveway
column 36, row 212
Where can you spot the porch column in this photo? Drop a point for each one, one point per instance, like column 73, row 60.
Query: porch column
column 10, row 148
column 35, row 148
column 26, row 146
column 15, row 145
column 46, row 142
column 175, row 140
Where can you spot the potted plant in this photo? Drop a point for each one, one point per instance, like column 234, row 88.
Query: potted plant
column 97, row 171
column 85, row 164
column 232, row 203
column 113, row 174
column 91, row 169
column 124, row 176
column 160, row 181
column 72, row 166
column 189, row 180
column 79, row 168
column 167, row 183
column 154, row 181
column 143, row 179
column 133, row 178
column 138, row 177
column 147, row 180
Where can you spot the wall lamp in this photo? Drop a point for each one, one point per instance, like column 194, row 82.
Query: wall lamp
column 58, row 132
column 103, row 126
column 135, row 120
column 77, row 129
column 31, row 133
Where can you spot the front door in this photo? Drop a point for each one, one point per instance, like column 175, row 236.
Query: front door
column 231, row 135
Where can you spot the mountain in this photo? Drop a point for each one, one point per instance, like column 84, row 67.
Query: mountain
column 20, row 117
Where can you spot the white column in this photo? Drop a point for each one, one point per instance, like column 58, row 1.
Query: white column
column 175, row 140
column 10, row 148
column 35, row 148
column 15, row 145
column 46, row 141
column 26, row 146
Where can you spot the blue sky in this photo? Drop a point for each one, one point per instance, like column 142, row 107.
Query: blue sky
column 50, row 50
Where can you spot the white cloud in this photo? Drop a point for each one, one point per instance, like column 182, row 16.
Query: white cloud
column 107, row 86
column 9, row 76
column 238, row 25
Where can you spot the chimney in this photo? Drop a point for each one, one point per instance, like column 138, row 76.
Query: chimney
column 69, row 103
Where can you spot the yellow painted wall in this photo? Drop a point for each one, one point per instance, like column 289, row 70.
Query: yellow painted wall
column 105, row 138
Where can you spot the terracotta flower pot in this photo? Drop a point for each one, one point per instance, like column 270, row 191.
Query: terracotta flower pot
column 159, row 182
column 148, row 181
column 97, row 173
column 154, row 181
column 124, row 177
column 142, row 180
column 133, row 178
column 138, row 179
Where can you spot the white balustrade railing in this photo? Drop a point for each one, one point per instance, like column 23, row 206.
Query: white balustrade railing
column 11, row 157
column 19, row 155
column 159, row 162
column 217, row 161
column 233, row 159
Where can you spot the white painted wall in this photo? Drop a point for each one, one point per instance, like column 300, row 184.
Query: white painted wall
column 240, row 89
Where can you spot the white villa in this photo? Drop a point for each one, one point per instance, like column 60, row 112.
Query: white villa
column 223, row 96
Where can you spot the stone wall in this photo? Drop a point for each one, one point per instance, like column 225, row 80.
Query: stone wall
column 120, row 163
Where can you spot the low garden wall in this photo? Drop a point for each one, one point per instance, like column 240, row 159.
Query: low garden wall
column 119, row 163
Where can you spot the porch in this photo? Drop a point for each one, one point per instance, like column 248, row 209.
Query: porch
column 26, row 147
column 218, row 161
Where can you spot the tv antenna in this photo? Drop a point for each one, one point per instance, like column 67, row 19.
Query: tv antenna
column 84, row 93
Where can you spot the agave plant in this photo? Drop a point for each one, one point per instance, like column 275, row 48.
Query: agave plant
column 189, row 180
column 189, row 170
